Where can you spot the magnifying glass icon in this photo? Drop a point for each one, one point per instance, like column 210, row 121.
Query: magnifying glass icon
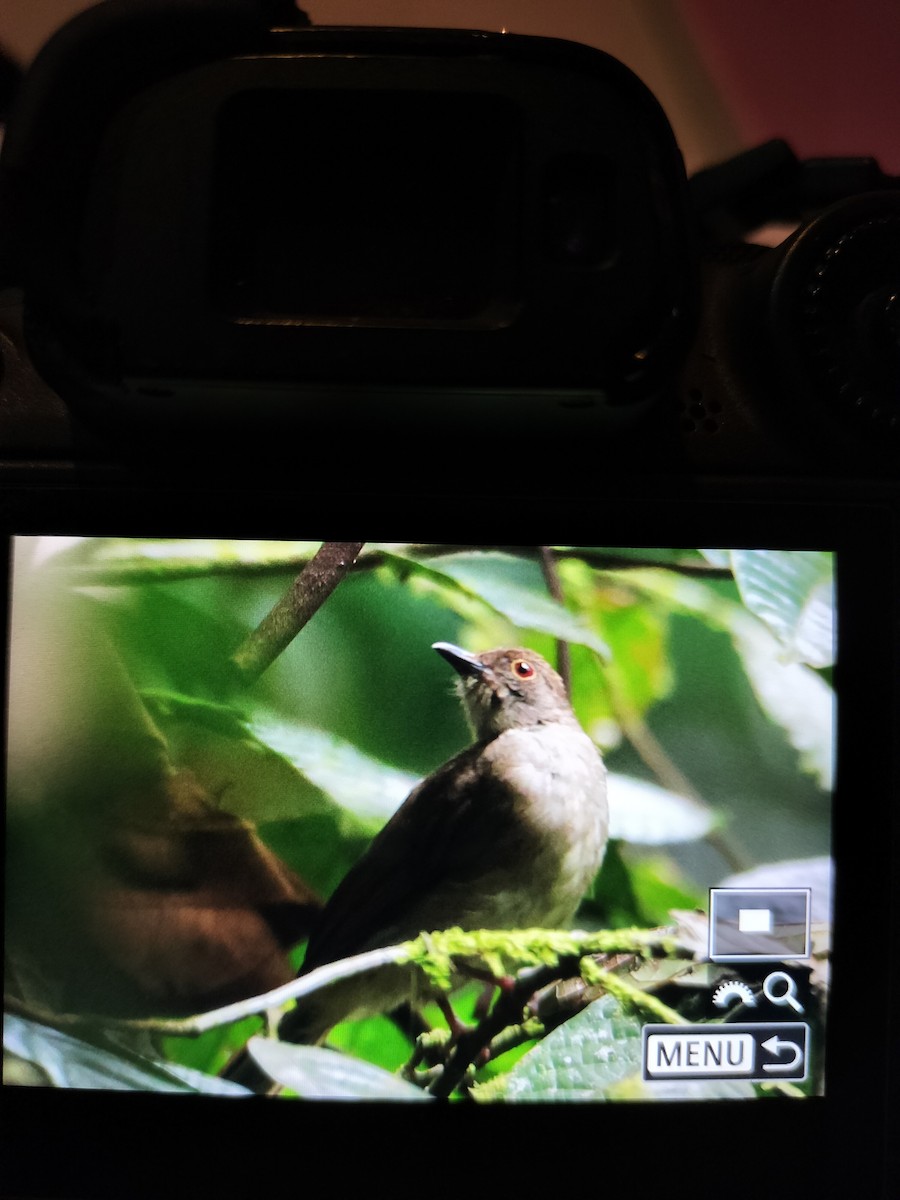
column 785, row 995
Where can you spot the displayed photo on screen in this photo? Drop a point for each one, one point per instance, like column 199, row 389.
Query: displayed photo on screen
column 479, row 824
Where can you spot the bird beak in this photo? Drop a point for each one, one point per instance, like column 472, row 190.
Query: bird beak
column 460, row 660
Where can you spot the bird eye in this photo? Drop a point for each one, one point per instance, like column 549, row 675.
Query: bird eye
column 523, row 669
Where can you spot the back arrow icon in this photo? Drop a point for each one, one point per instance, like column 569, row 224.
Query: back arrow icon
column 775, row 1046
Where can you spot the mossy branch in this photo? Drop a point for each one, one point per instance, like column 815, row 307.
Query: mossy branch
column 629, row 993
column 438, row 955
column 504, row 952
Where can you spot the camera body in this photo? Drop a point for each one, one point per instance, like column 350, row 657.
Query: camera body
column 308, row 225
column 301, row 229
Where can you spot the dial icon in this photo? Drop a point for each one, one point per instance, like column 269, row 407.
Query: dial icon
column 731, row 991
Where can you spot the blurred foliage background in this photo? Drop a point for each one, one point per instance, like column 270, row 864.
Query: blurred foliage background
column 703, row 675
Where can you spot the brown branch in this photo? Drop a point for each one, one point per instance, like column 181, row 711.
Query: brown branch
column 599, row 559
column 307, row 593
column 127, row 573
column 508, row 1010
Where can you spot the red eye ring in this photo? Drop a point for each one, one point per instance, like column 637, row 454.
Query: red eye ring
column 523, row 669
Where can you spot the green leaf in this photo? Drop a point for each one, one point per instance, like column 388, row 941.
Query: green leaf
column 65, row 1061
column 376, row 1039
column 114, row 561
column 791, row 693
column 612, row 901
column 578, row 1061
column 252, row 780
column 317, row 800
column 510, row 586
column 315, row 1073
column 718, row 558
column 793, row 592
column 638, row 671
column 211, row 1051
column 658, row 888
column 645, row 813
column 636, row 1088
column 267, row 770
column 596, row 1055
column 369, row 789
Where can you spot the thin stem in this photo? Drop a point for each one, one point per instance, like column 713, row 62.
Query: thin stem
column 507, row 1010
column 308, row 592
column 229, row 1013
column 554, row 587
column 671, row 776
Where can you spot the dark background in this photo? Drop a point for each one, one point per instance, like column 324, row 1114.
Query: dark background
column 822, row 75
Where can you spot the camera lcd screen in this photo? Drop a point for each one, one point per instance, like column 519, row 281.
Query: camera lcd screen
column 188, row 783
column 383, row 207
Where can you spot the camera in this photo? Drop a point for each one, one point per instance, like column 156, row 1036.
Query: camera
column 312, row 224
column 300, row 227
column 265, row 283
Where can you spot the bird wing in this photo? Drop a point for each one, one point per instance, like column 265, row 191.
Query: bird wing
column 450, row 829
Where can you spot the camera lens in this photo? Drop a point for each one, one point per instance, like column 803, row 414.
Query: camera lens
column 836, row 314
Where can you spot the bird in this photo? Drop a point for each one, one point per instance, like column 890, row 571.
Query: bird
column 508, row 834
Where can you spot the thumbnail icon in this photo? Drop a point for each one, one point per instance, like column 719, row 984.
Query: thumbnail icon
column 758, row 923
column 755, row 920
